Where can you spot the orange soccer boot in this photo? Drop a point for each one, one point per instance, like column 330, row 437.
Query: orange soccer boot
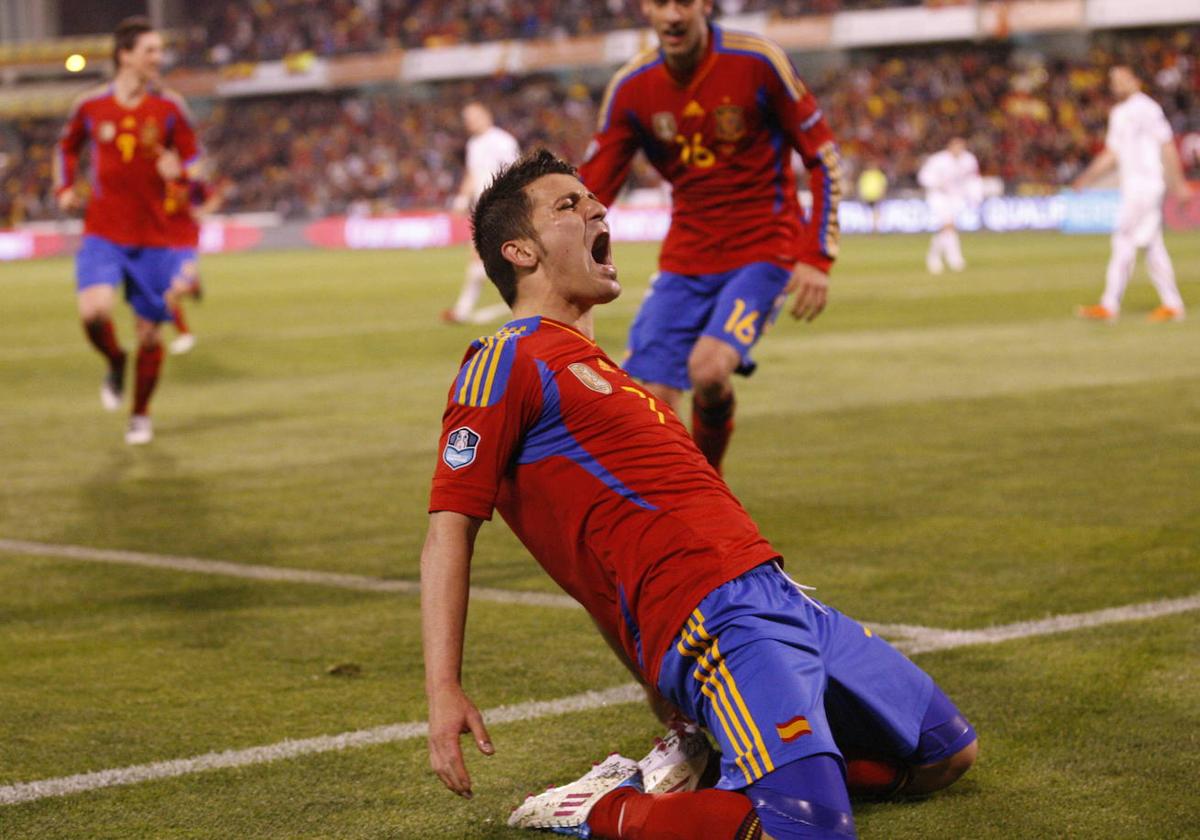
column 1163, row 314
column 1095, row 312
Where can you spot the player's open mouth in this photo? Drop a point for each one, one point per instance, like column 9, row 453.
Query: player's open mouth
column 601, row 250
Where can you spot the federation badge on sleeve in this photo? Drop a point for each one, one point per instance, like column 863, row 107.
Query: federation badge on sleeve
column 461, row 446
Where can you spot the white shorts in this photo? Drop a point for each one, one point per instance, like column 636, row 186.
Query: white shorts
column 944, row 207
column 1139, row 218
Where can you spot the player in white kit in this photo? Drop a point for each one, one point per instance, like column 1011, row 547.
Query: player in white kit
column 488, row 149
column 1140, row 145
column 952, row 183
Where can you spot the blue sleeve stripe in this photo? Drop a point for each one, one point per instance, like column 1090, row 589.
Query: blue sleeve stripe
column 483, row 380
column 743, row 43
column 640, row 64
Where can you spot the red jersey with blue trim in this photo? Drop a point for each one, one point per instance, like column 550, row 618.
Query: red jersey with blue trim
column 129, row 201
column 723, row 139
column 601, row 482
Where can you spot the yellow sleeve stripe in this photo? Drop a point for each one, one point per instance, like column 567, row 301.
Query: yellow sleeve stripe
column 743, row 42
column 638, row 62
column 493, row 364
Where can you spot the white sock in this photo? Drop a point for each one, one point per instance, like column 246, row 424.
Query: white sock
column 1120, row 267
column 1162, row 273
column 469, row 295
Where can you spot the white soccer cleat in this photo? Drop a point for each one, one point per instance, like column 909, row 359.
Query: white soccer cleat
column 139, row 431
column 110, row 394
column 565, row 809
column 677, row 761
column 183, row 343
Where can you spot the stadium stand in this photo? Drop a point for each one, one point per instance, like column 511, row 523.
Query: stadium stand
column 1032, row 120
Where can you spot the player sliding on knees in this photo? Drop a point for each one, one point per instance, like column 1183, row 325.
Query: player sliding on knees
column 718, row 114
column 608, row 491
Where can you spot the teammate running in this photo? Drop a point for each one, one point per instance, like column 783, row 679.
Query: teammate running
column 1141, row 146
column 611, row 496
column 187, row 203
column 951, row 181
column 140, row 139
column 488, row 149
column 718, row 113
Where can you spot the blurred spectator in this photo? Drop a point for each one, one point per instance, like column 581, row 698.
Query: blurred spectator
column 264, row 30
column 1032, row 121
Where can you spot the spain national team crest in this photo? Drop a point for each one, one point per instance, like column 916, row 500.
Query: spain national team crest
column 730, row 123
column 461, row 446
column 590, row 378
column 150, row 133
column 665, row 127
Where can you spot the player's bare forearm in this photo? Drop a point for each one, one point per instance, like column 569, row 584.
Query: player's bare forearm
column 663, row 709
column 445, row 579
column 1173, row 171
column 811, row 286
column 1102, row 164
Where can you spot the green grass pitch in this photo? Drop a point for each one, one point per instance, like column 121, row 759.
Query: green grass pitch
column 955, row 452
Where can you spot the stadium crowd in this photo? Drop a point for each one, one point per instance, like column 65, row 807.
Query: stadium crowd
column 263, row 30
column 1032, row 121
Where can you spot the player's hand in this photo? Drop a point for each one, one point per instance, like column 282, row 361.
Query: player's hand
column 1182, row 190
column 451, row 714
column 811, row 286
column 69, row 200
column 168, row 164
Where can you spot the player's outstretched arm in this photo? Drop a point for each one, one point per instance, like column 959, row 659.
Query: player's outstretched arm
column 445, row 578
column 1103, row 163
column 1173, row 171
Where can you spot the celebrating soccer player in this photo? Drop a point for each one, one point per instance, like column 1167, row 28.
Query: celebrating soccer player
column 141, row 141
column 612, row 497
column 718, row 114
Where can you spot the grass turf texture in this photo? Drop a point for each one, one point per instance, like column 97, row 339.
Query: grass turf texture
column 953, row 451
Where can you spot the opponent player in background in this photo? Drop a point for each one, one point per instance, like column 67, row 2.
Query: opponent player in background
column 140, row 139
column 717, row 114
column 952, row 183
column 610, row 494
column 488, row 149
column 1140, row 144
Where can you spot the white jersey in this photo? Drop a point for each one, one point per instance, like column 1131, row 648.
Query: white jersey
column 952, row 176
column 1137, row 130
column 486, row 154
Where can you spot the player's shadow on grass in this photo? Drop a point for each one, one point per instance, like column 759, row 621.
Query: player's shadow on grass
column 140, row 500
column 207, row 422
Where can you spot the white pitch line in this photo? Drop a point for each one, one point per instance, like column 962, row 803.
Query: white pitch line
column 67, row 785
column 629, row 693
column 279, row 574
column 930, row 640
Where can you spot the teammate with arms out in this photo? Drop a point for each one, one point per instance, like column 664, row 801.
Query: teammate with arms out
column 718, row 114
column 1140, row 145
column 140, row 139
column 488, row 149
column 610, row 494
column 951, row 181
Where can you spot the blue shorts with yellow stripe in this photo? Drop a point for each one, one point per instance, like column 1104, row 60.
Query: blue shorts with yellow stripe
column 734, row 307
column 776, row 677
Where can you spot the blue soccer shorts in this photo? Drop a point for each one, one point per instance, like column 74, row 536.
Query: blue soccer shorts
column 145, row 272
column 733, row 306
column 776, row 677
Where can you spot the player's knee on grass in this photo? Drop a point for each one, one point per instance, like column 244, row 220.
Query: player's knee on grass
column 946, row 749
column 805, row 799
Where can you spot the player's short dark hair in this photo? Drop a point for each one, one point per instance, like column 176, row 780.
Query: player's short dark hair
column 503, row 214
column 125, row 36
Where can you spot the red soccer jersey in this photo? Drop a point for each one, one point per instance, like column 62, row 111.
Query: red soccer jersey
column 183, row 197
column 128, row 198
column 601, row 482
column 724, row 139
